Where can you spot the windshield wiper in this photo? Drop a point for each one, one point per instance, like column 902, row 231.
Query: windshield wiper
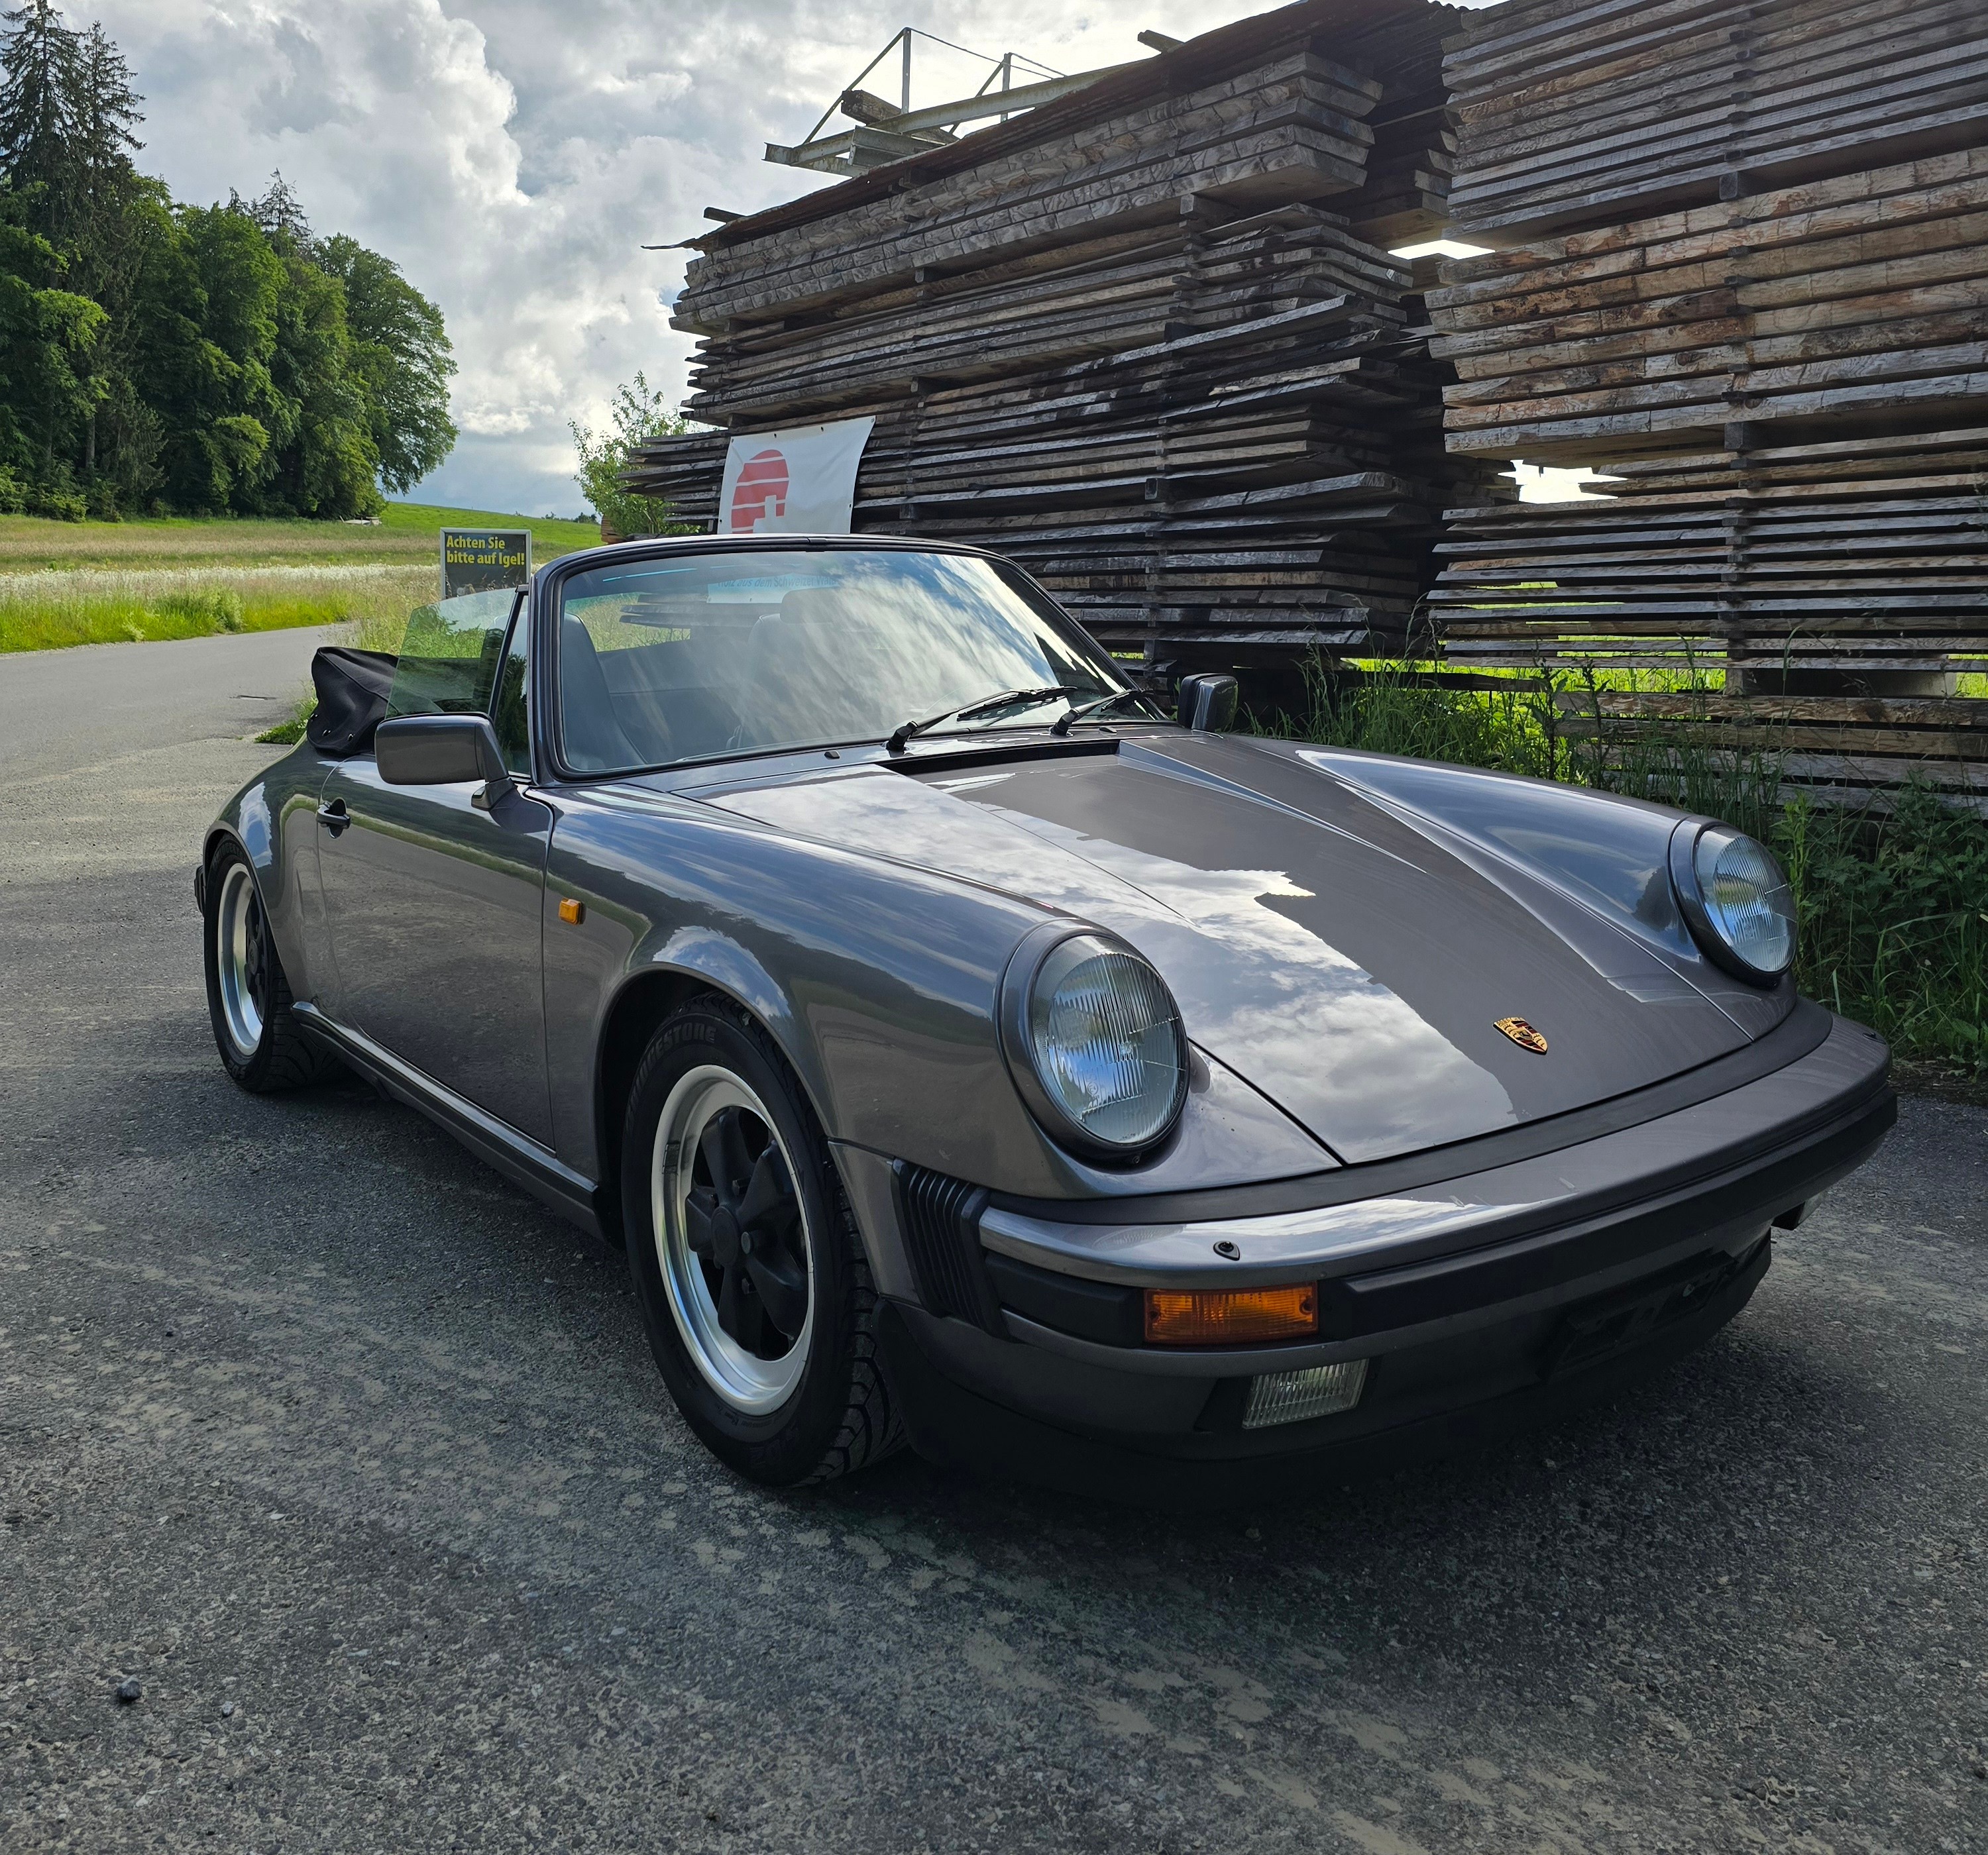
column 1009, row 698
column 1084, row 710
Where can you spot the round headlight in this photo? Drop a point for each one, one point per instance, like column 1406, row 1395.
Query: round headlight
column 1094, row 1041
column 1737, row 899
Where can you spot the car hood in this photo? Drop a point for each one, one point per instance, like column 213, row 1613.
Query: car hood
column 1351, row 961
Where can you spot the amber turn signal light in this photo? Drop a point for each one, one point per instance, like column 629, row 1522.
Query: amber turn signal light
column 571, row 911
column 1227, row 1317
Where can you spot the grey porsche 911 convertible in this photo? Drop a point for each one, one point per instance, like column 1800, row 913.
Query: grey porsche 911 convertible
column 971, row 1049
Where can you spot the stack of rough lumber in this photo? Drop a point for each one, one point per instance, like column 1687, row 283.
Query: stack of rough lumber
column 1854, row 300
column 1142, row 340
column 1743, row 264
column 1583, row 111
column 1802, row 594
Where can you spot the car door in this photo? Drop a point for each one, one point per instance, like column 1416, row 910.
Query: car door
column 433, row 898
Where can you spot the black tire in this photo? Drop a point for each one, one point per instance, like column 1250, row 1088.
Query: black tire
column 278, row 1056
column 838, row 1416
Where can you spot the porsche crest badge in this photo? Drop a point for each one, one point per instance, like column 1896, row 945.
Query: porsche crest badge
column 1523, row 1034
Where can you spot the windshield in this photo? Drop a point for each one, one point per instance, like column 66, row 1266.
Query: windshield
column 691, row 656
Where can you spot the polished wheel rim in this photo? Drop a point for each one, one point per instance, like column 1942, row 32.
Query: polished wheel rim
column 732, row 1237
column 240, row 947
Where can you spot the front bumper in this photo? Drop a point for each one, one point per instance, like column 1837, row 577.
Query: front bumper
column 1014, row 1328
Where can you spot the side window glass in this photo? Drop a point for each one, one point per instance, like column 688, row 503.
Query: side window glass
column 511, row 716
column 450, row 657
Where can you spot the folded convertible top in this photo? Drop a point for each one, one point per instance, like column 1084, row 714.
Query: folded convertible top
column 351, row 687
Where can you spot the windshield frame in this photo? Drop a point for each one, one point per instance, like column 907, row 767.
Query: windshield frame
column 546, row 602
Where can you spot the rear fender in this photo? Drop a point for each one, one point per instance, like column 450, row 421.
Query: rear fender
column 272, row 821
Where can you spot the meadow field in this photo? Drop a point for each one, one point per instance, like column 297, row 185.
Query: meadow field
column 93, row 582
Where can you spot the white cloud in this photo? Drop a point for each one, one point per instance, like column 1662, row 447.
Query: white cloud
column 513, row 156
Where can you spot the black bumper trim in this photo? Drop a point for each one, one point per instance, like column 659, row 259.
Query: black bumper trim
column 1103, row 1311
column 940, row 1217
column 1355, row 1306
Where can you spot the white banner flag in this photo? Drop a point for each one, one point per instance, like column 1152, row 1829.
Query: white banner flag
column 799, row 481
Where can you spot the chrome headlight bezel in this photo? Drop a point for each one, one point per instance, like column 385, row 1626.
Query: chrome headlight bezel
column 1689, row 843
column 1015, row 1017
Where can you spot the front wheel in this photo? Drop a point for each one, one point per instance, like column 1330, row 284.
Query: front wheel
column 754, row 1287
column 247, row 996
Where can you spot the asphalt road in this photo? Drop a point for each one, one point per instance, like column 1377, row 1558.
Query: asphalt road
column 354, row 1459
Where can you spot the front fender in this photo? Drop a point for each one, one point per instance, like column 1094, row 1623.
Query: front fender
column 877, row 984
column 878, row 981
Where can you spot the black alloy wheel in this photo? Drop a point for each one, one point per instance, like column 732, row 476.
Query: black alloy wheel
column 743, row 1223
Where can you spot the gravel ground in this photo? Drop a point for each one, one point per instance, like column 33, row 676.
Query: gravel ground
column 352, row 1459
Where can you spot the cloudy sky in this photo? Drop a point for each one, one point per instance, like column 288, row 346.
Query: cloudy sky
column 514, row 156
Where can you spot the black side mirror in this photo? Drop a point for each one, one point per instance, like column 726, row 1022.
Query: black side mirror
column 1208, row 703
column 442, row 750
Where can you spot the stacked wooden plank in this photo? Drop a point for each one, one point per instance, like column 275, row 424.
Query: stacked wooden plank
column 1141, row 339
column 1289, row 128
column 1744, row 269
column 1821, row 623
column 1779, row 586
column 1578, row 112
column 1847, row 301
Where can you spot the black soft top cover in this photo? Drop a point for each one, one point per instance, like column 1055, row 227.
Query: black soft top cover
column 351, row 687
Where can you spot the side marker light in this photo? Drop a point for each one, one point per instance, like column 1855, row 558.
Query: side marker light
column 1227, row 1317
column 572, row 912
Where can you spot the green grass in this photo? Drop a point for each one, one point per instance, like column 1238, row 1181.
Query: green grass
column 49, row 610
column 97, row 583
column 422, row 523
column 1895, row 922
column 406, row 533
column 384, row 628
column 1893, row 904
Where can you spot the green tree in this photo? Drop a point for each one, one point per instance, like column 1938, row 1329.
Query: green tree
column 47, row 335
column 326, row 462
column 41, row 65
column 223, row 359
column 401, row 350
column 222, row 413
column 281, row 215
column 637, row 413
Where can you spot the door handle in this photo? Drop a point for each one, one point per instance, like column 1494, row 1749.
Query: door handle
column 333, row 817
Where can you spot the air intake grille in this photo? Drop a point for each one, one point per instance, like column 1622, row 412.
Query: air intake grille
column 940, row 1220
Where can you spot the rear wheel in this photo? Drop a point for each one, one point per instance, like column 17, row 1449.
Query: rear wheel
column 248, row 995
column 754, row 1287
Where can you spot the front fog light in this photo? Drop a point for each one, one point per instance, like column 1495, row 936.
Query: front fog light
column 1290, row 1397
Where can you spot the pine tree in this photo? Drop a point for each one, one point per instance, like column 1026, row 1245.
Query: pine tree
column 41, row 68
column 281, row 215
column 107, row 239
column 105, row 111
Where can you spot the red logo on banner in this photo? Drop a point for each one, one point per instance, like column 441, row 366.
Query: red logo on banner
column 762, row 492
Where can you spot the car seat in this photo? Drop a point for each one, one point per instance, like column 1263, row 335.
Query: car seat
column 589, row 731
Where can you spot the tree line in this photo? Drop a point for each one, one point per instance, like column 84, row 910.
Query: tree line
column 159, row 357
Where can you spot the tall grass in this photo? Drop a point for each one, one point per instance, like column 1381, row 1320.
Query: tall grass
column 1894, row 912
column 1893, row 901
column 406, row 533
column 1400, row 708
column 48, row 610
